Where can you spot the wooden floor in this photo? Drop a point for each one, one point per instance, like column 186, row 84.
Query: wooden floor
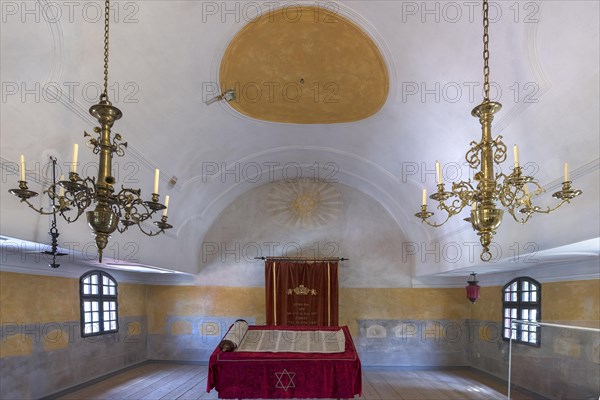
column 179, row 381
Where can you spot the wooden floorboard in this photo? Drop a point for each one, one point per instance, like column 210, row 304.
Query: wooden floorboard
column 168, row 381
column 198, row 377
column 119, row 392
column 379, row 384
column 159, row 382
column 121, row 380
column 369, row 392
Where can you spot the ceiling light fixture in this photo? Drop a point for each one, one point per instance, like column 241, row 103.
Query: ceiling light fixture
column 473, row 288
column 510, row 191
column 54, row 234
column 112, row 211
column 228, row 95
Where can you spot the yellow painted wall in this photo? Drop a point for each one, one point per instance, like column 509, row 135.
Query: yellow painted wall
column 16, row 345
column 28, row 299
column 561, row 301
column 571, row 301
column 217, row 301
column 400, row 304
column 164, row 301
column 38, row 299
column 132, row 300
column 489, row 305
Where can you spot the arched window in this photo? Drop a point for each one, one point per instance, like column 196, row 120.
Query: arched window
column 522, row 300
column 98, row 299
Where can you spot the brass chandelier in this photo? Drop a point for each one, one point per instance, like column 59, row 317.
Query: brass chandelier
column 113, row 211
column 492, row 190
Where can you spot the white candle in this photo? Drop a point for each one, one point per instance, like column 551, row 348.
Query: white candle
column 566, row 172
column 438, row 172
column 75, row 157
column 424, row 202
column 156, row 176
column 22, row 170
column 166, row 206
column 61, row 191
column 516, row 155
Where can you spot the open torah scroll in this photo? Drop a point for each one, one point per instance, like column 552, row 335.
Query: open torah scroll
column 239, row 338
column 277, row 341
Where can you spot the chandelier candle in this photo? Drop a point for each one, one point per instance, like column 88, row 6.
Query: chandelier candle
column 166, row 206
column 516, row 155
column 22, row 169
column 61, row 191
column 75, row 158
column 156, row 176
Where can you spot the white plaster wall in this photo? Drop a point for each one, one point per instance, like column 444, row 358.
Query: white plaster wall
column 365, row 233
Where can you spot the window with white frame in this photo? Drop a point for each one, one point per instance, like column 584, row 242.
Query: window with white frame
column 521, row 300
column 98, row 299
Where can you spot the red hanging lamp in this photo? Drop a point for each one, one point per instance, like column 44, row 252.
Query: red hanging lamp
column 473, row 288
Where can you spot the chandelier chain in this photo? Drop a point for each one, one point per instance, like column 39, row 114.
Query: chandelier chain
column 106, row 21
column 486, row 53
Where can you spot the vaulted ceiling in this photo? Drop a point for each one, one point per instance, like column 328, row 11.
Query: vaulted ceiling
column 167, row 61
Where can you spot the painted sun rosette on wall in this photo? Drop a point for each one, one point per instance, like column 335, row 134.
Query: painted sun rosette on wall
column 304, row 203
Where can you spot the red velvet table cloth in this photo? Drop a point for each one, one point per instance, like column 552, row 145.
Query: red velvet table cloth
column 250, row 375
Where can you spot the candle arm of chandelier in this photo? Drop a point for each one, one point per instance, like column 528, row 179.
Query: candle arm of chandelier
column 77, row 197
column 424, row 215
column 523, row 204
column 132, row 210
column 25, row 194
column 526, row 211
column 548, row 209
column 455, row 207
column 436, row 224
column 40, row 210
column 512, row 189
column 161, row 225
column 129, row 202
column 462, row 194
column 465, row 195
column 129, row 221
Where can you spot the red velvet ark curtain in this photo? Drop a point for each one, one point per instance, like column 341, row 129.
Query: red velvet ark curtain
column 301, row 292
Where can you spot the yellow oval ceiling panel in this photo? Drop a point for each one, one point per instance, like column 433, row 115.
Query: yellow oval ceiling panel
column 304, row 65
